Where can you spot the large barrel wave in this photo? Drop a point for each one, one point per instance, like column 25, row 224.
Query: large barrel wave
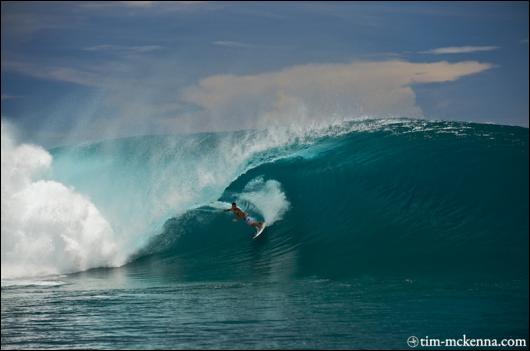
column 390, row 196
column 415, row 197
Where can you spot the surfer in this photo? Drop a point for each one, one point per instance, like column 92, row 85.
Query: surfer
column 242, row 215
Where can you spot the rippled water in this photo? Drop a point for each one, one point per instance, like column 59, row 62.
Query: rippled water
column 122, row 308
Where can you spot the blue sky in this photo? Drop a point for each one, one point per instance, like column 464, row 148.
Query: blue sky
column 92, row 70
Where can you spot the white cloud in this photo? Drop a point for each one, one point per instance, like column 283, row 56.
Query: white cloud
column 459, row 50
column 243, row 45
column 524, row 41
column 315, row 92
column 231, row 44
column 143, row 96
column 121, row 48
column 138, row 3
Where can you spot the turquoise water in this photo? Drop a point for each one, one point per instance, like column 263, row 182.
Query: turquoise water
column 379, row 230
column 120, row 308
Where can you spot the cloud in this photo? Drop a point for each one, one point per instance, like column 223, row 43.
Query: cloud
column 126, row 96
column 524, row 41
column 22, row 25
column 66, row 74
column 459, row 50
column 301, row 93
column 243, row 45
column 232, row 44
column 138, row 4
column 121, row 48
column 9, row 97
column 316, row 92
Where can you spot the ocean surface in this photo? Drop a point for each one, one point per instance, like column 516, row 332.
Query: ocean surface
column 378, row 230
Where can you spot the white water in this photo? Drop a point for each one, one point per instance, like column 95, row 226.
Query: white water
column 47, row 228
column 267, row 197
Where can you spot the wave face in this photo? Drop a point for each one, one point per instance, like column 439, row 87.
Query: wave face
column 405, row 197
column 374, row 195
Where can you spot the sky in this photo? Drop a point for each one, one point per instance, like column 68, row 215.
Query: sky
column 79, row 71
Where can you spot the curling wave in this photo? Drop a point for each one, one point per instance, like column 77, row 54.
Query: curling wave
column 347, row 198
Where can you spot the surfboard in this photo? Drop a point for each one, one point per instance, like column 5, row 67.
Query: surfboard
column 260, row 231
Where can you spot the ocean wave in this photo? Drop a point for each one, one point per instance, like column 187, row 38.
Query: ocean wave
column 342, row 198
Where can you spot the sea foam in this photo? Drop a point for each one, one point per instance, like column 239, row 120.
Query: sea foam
column 47, row 227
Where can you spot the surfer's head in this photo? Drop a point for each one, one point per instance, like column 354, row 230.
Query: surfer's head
column 234, row 204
